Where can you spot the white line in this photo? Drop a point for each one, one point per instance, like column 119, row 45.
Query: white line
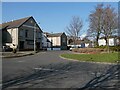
column 45, row 69
column 21, row 61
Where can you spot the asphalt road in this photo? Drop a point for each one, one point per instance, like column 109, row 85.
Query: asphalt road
column 48, row 70
column 16, row 66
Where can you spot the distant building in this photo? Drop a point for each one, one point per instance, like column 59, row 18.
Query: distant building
column 20, row 33
column 113, row 41
column 84, row 43
column 46, row 43
column 70, row 41
column 58, row 40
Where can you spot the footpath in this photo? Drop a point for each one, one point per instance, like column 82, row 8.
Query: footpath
column 18, row 54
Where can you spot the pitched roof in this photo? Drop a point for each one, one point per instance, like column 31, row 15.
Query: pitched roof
column 54, row 34
column 14, row 24
column 48, row 40
column 78, row 42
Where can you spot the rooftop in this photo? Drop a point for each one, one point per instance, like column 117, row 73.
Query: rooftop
column 53, row 34
column 14, row 23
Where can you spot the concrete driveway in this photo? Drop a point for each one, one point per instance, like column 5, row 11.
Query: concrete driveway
column 48, row 70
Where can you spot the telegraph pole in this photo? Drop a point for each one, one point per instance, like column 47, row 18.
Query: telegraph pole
column 34, row 38
column 52, row 42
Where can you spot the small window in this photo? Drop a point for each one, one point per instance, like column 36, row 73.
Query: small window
column 26, row 33
column 21, row 32
column 31, row 21
column 64, row 40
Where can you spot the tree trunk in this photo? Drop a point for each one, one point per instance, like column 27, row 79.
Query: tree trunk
column 74, row 41
column 97, row 41
column 107, row 44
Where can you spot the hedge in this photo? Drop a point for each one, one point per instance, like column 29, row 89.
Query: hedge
column 112, row 48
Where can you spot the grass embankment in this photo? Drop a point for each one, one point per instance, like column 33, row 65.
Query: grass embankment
column 103, row 57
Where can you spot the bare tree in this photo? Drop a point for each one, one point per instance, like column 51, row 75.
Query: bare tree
column 110, row 23
column 95, row 23
column 74, row 28
column 103, row 20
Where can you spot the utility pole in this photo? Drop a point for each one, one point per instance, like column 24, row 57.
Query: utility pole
column 52, row 41
column 34, row 38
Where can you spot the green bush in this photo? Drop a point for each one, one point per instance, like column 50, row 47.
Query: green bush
column 115, row 48
column 112, row 48
column 88, row 50
column 14, row 50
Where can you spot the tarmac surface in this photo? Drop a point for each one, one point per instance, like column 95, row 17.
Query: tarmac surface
column 48, row 70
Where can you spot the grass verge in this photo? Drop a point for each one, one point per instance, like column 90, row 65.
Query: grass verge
column 103, row 57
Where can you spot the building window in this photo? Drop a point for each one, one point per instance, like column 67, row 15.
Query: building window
column 26, row 33
column 39, row 35
column 64, row 40
column 21, row 33
column 31, row 21
column 30, row 42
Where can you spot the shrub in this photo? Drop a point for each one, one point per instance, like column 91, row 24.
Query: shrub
column 112, row 48
column 88, row 50
column 115, row 48
column 14, row 50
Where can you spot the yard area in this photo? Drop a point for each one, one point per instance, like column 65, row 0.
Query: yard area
column 103, row 57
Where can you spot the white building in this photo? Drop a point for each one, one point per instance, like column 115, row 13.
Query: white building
column 45, row 42
column 113, row 41
column 58, row 40
column 84, row 43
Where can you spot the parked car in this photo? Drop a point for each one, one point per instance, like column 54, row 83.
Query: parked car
column 73, row 47
column 7, row 48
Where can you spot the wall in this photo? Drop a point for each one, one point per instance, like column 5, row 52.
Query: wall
column 44, row 40
column 87, row 45
column 101, row 42
column 59, row 42
column 30, row 27
column 12, row 37
column 63, row 42
column 112, row 42
column 55, row 41
column 48, row 44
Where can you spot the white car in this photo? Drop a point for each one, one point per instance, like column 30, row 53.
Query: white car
column 73, row 47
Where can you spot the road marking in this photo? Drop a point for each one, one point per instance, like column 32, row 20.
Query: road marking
column 20, row 61
column 45, row 69
column 43, row 52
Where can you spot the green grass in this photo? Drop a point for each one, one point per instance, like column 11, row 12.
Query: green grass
column 104, row 57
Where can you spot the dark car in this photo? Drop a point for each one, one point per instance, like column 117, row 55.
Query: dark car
column 7, row 48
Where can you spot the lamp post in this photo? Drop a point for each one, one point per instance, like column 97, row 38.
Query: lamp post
column 34, row 38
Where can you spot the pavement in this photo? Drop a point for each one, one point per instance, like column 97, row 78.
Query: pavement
column 18, row 54
column 48, row 70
